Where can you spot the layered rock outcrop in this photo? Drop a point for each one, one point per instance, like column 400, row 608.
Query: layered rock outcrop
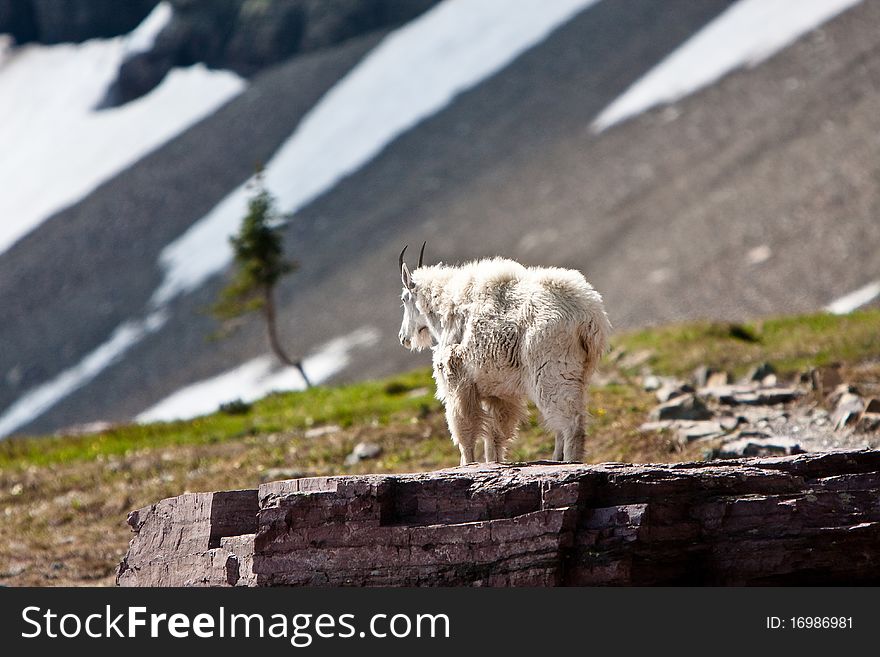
column 811, row 518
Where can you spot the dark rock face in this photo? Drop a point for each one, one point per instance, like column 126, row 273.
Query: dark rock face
column 246, row 36
column 17, row 18
column 792, row 520
column 264, row 33
column 51, row 21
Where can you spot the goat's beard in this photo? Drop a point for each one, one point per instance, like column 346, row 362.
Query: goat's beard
column 422, row 339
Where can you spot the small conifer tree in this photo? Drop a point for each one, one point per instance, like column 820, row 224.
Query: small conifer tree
column 259, row 265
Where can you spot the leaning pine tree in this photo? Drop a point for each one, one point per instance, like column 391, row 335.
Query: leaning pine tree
column 259, row 265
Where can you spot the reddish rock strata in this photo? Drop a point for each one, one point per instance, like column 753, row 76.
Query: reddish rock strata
column 811, row 518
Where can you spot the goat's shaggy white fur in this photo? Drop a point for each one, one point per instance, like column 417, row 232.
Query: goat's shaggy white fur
column 503, row 332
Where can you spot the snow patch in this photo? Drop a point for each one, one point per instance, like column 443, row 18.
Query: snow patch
column 53, row 134
column 856, row 299
column 746, row 34
column 57, row 148
column 36, row 401
column 144, row 35
column 416, row 71
column 257, row 378
column 759, row 254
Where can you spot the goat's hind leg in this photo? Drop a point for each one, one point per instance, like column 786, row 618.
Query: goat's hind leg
column 502, row 419
column 565, row 414
column 490, row 454
column 573, row 439
column 559, row 447
column 570, row 437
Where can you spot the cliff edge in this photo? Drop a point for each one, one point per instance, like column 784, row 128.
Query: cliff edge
column 805, row 519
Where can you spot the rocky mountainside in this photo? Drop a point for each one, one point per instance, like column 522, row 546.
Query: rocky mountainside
column 246, row 36
column 756, row 195
column 50, row 21
column 763, row 416
column 810, row 519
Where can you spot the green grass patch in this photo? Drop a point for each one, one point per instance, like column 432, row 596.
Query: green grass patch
column 789, row 343
column 372, row 402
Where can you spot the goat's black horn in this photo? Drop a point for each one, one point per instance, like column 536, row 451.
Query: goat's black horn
column 400, row 260
column 422, row 253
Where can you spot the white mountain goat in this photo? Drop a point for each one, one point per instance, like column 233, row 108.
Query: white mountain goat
column 501, row 332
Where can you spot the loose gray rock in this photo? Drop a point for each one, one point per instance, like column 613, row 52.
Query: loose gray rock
column 750, row 394
column 701, row 375
column 717, row 379
column 700, row 431
column 754, row 434
column 847, row 410
column 767, row 396
column 868, row 423
column 651, row 383
column 757, row 444
column 760, row 372
column 317, row 432
column 683, row 407
column 835, row 395
column 819, row 417
column 363, row 452
column 672, row 388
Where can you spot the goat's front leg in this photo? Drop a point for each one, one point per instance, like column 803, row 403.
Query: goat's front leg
column 465, row 417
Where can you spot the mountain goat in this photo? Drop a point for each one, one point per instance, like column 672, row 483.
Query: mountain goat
column 501, row 332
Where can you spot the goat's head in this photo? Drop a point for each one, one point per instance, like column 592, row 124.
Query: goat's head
column 415, row 331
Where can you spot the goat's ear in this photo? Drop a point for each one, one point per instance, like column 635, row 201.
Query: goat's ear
column 406, row 277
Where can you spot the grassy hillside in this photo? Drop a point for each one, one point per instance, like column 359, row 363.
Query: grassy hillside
column 63, row 499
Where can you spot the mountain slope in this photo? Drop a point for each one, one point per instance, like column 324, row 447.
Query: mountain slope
column 756, row 195
column 92, row 267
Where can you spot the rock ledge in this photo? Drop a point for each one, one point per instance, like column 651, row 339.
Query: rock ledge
column 806, row 519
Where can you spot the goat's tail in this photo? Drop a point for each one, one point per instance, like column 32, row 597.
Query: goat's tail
column 593, row 336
